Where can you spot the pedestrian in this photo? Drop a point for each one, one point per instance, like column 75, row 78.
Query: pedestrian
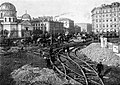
column 48, row 62
column 100, row 68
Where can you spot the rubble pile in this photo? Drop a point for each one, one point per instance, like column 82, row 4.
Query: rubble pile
column 35, row 76
column 96, row 53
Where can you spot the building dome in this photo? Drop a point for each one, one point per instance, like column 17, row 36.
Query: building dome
column 26, row 17
column 7, row 7
column 7, row 10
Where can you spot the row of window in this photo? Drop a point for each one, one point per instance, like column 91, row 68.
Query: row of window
column 107, row 10
column 107, row 15
column 107, row 20
column 38, row 24
column 97, row 26
column 10, row 19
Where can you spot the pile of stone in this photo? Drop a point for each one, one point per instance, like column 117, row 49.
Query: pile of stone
column 96, row 53
column 36, row 76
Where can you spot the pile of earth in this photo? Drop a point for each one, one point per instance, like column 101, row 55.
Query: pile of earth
column 28, row 74
column 96, row 53
column 109, row 59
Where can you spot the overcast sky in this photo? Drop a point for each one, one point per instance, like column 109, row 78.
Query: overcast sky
column 77, row 10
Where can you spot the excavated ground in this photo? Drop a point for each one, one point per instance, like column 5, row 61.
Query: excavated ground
column 109, row 59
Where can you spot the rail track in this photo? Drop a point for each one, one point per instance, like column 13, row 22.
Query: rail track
column 71, row 66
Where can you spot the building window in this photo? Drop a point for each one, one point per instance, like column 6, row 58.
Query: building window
column 103, row 20
column 5, row 19
column 107, row 20
column 13, row 19
column 103, row 15
column 114, row 19
column 96, row 20
column 107, row 25
column 96, row 26
column 114, row 14
column 1, row 14
column 114, row 25
column 103, row 25
column 111, row 20
column 106, row 15
column 110, row 25
column 99, row 20
column 9, row 19
column 26, row 28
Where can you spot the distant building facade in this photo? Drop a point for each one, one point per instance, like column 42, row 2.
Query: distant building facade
column 77, row 29
column 23, row 26
column 106, row 18
column 50, row 26
column 85, row 27
column 68, row 24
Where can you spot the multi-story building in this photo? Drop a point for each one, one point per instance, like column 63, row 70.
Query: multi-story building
column 85, row 27
column 50, row 26
column 68, row 24
column 8, row 21
column 106, row 18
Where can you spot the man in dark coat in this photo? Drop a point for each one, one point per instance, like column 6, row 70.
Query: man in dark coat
column 99, row 68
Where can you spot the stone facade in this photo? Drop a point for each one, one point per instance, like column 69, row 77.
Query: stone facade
column 106, row 18
column 49, row 26
column 85, row 27
column 10, row 22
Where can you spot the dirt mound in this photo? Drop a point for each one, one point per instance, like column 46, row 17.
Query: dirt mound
column 35, row 76
column 96, row 53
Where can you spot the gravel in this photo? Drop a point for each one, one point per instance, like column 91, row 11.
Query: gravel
column 96, row 53
column 35, row 76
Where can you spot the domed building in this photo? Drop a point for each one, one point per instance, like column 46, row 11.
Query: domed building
column 25, row 26
column 7, row 9
column 9, row 21
column 26, row 17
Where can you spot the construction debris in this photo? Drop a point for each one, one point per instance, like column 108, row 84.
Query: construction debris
column 96, row 53
column 36, row 76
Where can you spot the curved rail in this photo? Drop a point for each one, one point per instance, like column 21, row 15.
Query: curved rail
column 88, row 68
column 76, row 66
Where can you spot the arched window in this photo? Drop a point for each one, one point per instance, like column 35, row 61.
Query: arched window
column 5, row 19
column 9, row 19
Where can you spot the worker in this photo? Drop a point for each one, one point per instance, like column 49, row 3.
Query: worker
column 48, row 63
column 99, row 68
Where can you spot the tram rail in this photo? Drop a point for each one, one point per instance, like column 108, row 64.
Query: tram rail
column 76, row 69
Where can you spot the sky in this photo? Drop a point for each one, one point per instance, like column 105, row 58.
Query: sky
column 77, row 10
